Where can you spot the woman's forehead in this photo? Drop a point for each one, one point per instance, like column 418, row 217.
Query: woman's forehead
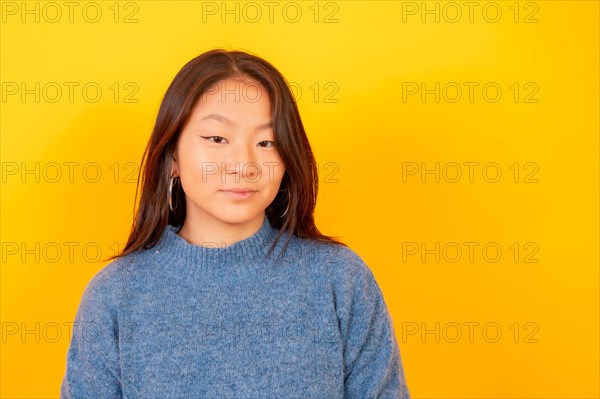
column 233, row 107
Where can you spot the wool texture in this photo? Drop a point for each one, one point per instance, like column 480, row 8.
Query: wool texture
column 180, row 320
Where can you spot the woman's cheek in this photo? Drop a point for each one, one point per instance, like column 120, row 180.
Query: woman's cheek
column 205, row 168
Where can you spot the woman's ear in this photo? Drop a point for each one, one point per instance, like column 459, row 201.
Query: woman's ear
column 175, row 165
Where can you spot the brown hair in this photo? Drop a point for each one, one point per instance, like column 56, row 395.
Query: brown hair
column 191, row 82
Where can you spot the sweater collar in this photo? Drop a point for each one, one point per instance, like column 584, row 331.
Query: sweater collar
column 172, row 246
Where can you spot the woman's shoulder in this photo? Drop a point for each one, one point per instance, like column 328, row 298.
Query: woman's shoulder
column 109, row 279
column 339, row 261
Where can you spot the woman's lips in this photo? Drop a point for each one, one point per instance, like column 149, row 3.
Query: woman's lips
column 238, row 194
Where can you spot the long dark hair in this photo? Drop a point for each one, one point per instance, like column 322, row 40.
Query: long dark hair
column 191, row 82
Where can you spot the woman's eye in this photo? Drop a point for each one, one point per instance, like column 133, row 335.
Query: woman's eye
column 219, row 138
column 272, row 143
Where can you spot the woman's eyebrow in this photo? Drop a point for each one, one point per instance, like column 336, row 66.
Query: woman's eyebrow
column 223, row 118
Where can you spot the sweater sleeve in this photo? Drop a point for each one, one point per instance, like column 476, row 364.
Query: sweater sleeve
column 92, row 369
column 372, row 363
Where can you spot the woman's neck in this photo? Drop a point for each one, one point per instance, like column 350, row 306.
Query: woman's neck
column 214, row 233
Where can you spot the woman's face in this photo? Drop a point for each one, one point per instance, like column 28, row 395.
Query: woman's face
column 228, row 144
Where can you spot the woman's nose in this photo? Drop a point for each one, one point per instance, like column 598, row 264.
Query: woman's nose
column 242, row 162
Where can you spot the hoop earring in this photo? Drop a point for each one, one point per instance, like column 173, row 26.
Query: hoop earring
column 171, row 184
column 288, row 202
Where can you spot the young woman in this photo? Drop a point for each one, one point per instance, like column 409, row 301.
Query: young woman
column 226, row 288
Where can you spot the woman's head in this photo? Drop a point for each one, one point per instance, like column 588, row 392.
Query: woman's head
column 228, row 142
column 227, row 121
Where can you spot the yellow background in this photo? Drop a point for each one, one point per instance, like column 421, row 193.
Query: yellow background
column 361, row 54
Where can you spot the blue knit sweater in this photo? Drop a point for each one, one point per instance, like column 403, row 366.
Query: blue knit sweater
column 185, row 321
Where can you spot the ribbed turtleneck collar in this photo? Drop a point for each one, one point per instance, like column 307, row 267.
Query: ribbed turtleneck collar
column 172, row 247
